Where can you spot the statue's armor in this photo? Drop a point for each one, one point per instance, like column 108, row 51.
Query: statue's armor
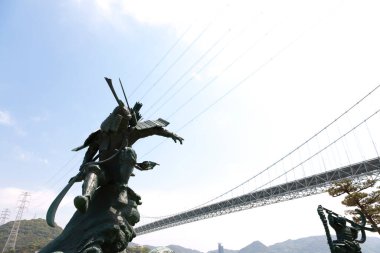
column 346, row 236
column 119, row 169
column 116, row 168
column 116, row 120
column 151, row 123
column 94, row 177
column 117, row 159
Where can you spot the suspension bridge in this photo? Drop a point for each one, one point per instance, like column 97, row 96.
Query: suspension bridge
column 304, row 187
column 273, row 185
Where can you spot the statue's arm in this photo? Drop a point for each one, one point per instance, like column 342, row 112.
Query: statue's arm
column 333, row 222
column 93, row 148
column 142, row 133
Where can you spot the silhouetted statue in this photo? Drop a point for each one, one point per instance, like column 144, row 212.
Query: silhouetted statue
column 346, row 236
column 107, row 208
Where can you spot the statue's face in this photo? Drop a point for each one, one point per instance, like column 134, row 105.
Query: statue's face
column 341, row 221
column 124, row 112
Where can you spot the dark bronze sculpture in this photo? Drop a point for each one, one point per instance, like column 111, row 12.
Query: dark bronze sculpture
column 107, row 208
column 346, row 236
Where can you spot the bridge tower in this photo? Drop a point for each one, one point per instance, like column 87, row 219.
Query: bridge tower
column 4, row 216
column 220, row 248
column 10, row 244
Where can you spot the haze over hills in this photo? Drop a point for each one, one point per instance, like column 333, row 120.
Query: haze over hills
column 34, row 234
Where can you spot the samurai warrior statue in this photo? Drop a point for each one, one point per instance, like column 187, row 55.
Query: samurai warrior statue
column 107, row 207
column 346, row 236
column 113, row 143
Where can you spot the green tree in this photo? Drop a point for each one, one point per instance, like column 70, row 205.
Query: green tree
column 362, row 195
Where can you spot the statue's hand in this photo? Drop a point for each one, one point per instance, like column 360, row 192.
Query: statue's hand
column 75, row 179
column 71, row 180
column 177, row 138
column 146, row 165
column 80, row 176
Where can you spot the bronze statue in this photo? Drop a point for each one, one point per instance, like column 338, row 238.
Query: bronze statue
column 346, row 236
column 107, row 208
column 113, row 142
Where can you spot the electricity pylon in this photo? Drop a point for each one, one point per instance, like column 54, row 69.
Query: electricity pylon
column 4, row 216
column 10, row 245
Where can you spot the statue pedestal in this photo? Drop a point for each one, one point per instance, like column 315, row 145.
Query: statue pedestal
column 106, row 227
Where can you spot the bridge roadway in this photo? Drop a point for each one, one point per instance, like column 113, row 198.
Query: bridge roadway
column 307, row 186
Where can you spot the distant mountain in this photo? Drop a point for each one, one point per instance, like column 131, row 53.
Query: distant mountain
column 180, row 249
column 314, row 244
column 32, row 235
column 318, row 244
column 255, row 247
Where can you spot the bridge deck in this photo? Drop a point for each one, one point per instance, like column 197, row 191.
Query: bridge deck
column 295, row 189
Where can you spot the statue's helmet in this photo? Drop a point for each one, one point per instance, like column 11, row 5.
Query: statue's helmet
column 123, row 111
column 118, row 119
column 341, row 221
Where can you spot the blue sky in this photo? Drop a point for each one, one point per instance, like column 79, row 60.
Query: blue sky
column 248, row 81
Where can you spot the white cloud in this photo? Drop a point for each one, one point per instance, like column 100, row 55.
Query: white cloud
column 37, row 205
column 28, row 156
column 169, row 12
column 5, row 118
column 39, row 118
column 175, row 14
column 9, row 197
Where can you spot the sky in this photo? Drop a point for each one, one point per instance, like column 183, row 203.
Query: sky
column 243, row 82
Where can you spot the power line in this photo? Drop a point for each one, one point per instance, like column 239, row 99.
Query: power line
column 221, row 73
column 193, row 42
column 60, row 169
column 161, row 60
column 229, row 91
column 55, row 183
column 230, row 65
column 199, row 71
column 190, row 68
column 221, row 38
column 279, row 52
column 177, row 59
column 53, row 180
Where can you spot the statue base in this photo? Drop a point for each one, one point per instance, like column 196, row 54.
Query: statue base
column 106, row 227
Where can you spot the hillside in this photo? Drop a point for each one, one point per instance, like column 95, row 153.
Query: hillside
column 319, row 245
column 32, row 235
column 315, row 244
column 180, row 249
